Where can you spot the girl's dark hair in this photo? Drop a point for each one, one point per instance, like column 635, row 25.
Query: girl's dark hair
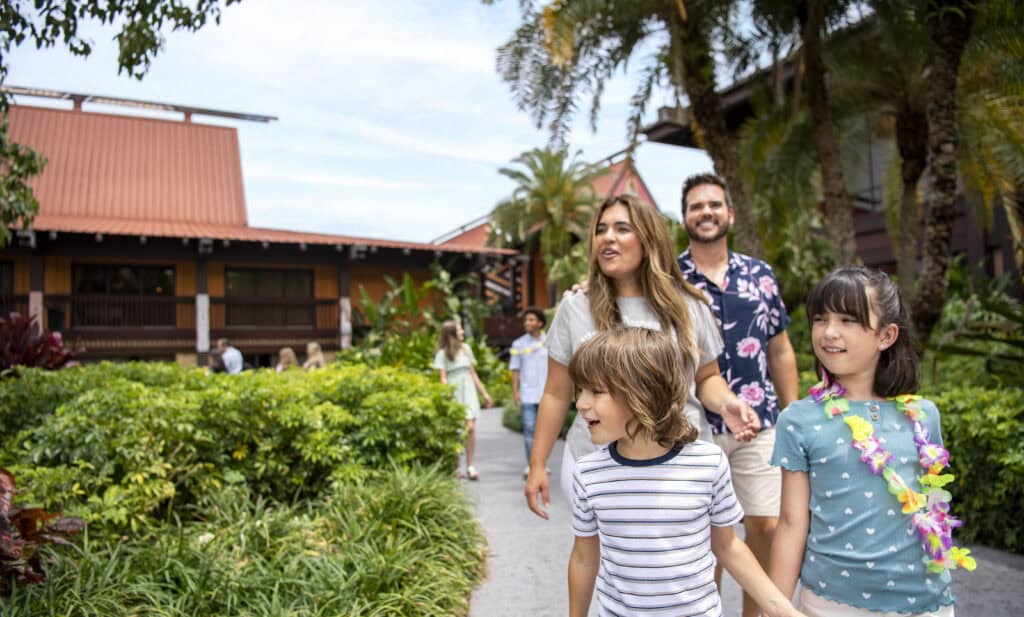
column 845, row 291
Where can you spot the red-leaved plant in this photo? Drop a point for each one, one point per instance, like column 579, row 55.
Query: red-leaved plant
column 23, row 532
column 24, row 343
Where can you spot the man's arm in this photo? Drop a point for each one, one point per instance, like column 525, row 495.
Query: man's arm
column 515, row 387
column 583, row 565
column 782, row 367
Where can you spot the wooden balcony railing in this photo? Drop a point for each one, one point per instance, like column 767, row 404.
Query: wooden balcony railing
column 101, row 311
column 274, row 313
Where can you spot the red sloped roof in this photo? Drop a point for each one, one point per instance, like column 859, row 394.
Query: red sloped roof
column 124, row 175
column 619, row 177
column 124, row 167
column 622, row 177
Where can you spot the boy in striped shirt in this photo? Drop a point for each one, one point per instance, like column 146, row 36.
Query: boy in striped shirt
column 651, row 508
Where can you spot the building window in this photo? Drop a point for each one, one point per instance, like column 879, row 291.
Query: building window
column 105, row 295
column 269, row 298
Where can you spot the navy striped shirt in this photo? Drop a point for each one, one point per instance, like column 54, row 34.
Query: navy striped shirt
column 653, row 519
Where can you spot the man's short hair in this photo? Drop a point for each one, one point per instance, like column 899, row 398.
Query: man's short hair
column 536, row 312
column 698, row 179
column 223, row 342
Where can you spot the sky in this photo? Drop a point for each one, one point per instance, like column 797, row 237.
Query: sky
column 392, row 119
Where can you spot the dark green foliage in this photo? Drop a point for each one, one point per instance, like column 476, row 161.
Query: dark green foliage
column 401, row 543
column 23, row 532
column 984, row 432
column 122, row 453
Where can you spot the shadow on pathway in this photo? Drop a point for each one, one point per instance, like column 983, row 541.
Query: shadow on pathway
column 527, row 556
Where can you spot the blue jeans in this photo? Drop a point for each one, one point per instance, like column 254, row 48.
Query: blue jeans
column 529, row 411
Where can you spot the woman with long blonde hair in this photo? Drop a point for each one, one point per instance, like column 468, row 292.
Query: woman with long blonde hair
column 635, row 281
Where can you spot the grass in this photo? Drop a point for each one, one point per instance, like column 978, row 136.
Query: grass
column 404, row 543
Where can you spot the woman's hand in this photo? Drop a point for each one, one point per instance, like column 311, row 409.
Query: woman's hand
column 487, row 401
column 537, row 482
column 741, row 419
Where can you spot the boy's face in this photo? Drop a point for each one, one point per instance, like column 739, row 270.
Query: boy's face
column 532, row 324
column 605, row 417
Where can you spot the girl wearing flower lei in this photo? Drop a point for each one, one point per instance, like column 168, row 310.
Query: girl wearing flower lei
column 865, row 522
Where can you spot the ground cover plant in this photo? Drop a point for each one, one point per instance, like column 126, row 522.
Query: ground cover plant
column 161, row 460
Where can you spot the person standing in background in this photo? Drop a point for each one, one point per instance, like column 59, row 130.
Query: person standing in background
column 231, row 357
column 528, row 362
column 758, row 360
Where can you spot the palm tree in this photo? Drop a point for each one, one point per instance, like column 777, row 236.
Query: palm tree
column 553, row 201
column 951, row 24
column 571, row 48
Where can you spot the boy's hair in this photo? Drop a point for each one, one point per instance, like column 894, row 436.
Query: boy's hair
column 643, row 370
column 698, row 179
column 536, row 312
column 845, row 291
column 449, row 340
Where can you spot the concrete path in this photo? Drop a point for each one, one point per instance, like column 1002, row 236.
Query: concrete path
column 527, row 556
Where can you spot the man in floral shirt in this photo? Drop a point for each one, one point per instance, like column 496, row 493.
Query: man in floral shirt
column 758, row 360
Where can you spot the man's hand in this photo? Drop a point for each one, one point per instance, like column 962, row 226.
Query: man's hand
column 741, row 419
column 537, row 482
column 578, row 287
column 519, row 399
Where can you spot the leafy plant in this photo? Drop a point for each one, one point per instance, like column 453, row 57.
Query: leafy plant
column 990, row 327
column 983, row 429
column 23, row 532
column 401, row 542
column 24, row 343
column 130, row 454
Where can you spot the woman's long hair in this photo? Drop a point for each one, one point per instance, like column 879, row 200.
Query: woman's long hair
column 449, row 341
column 660, row 279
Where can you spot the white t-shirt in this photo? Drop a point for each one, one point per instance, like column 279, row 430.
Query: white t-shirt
column 232, row 359
column 573, row 324
column 653, row 519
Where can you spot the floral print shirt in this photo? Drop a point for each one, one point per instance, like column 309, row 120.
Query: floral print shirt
column 749, row 311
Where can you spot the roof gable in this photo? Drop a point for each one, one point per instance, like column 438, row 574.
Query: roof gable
column 140, row 169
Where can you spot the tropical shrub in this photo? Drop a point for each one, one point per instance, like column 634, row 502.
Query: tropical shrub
column 23, row 532
column 23, row 342
column 984, row 432
column 401, row 543
column 123, row 454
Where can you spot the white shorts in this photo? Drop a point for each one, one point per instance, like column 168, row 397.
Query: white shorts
column 814, row 605
column 756, row 482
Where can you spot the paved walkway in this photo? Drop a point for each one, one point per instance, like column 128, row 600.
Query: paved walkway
column 526, row 567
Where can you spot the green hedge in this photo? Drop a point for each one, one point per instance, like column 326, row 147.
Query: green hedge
column 403, row 544
column 984, row 432
column 124, row 444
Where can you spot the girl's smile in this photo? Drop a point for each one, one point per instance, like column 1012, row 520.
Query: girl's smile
column 849, row 350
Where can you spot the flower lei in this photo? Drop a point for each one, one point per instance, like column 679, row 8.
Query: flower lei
column 929, row 509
